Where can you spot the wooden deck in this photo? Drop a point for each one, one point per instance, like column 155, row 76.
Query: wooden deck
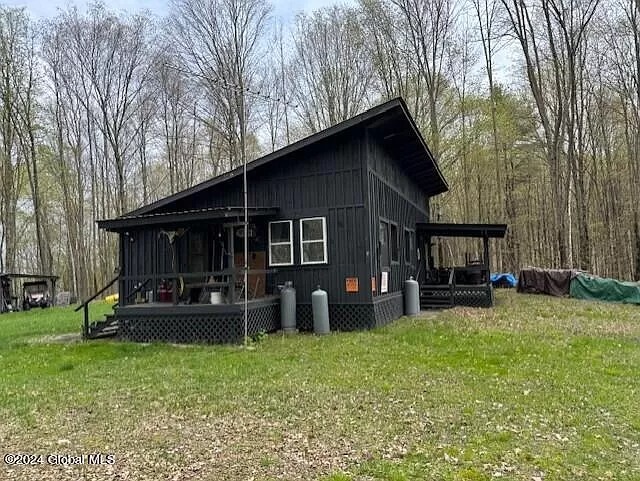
column 168, row 308
column 197, row 323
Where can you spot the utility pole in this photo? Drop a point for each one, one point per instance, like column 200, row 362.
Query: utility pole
column 243, row 153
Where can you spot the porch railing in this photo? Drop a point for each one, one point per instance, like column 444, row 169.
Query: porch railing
column 224, row 280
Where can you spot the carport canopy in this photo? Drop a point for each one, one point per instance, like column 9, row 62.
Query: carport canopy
column 461, row 230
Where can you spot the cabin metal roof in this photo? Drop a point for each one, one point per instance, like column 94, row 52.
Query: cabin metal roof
column 461, row 230
column 390, row 122
column 184, row 216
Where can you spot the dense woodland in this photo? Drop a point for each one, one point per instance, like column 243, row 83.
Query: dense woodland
column 101, row 112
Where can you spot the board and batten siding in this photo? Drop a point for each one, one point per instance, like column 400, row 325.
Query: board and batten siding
column 328, row 173
column 145, row 253
column 327, row 179
column 396, row 198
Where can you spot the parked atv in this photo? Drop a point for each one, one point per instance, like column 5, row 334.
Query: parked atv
column 35, row 294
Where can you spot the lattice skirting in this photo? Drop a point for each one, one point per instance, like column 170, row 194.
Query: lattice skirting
column 342, row 317
column 304, row 317
column 228, row 327
column 355, row 317
column 473, row 298
column 198, row 328
column 388, row 308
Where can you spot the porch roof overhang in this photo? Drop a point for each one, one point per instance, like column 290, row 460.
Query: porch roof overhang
column 461, row 230
column 183, row 217
column 21, row 275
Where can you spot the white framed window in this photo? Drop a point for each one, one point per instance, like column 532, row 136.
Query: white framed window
column 313, row 240
column 281, row 243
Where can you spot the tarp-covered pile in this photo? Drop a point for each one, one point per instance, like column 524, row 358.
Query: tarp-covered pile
column 586, row 286
column 503, row 279
column 555, row 282
column 580, row 285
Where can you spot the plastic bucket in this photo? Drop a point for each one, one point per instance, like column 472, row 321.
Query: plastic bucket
column 216, row 298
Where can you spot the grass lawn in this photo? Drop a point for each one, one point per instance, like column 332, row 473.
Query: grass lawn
column 535, row 389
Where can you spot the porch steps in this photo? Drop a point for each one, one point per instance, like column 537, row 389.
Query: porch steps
column 106, row 328
column 435, row 297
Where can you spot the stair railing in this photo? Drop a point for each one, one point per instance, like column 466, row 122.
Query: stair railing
column 85, row 306
column 138, row 289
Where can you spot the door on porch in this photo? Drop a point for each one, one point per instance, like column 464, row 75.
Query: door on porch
column 257, row 235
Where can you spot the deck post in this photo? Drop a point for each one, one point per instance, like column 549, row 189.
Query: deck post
column 122, row 293
column 85, row 333
column 427, row 253
column 174, row 284
column 232, row 266
column 485, row 245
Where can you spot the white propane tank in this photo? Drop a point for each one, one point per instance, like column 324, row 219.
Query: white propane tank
column 288, row 307
column 320, row 307
column 411, row 297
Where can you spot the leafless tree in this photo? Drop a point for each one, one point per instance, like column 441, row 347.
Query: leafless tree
column 389, row 48
column 26, row 123
column 14, row 41
column 278, row 105
column 430, row 25
column 220, row 41
column 330, row 83
column 623, row 55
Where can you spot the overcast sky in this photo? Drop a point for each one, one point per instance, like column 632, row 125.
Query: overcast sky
column 284, row 9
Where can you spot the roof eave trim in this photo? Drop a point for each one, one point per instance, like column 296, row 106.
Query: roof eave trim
column 124, row 223
column 416, row 130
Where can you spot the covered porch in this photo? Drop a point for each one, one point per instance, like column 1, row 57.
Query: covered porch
column 181, row 275
column 444, row 284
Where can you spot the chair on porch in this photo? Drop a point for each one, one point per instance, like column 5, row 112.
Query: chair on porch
column 253, row 290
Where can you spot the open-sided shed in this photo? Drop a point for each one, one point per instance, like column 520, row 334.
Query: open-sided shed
column 23, row 290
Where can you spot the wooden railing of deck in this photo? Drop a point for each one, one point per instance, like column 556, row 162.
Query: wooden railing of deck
column 229, row 278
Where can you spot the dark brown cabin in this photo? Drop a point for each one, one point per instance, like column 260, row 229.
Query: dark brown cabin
column 345, row 209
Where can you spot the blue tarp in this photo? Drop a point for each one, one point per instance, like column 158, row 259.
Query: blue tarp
column 503, row 279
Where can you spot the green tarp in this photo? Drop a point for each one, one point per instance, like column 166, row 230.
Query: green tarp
column 585, row 286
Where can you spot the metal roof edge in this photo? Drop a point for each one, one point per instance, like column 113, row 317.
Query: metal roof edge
column 452, row 229
column 189, row 215
column 416, row 131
